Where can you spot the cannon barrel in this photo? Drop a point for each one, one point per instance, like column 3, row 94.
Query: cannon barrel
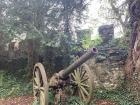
column 64, row 73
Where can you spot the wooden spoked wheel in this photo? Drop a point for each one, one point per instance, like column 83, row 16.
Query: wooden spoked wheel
column 40, row 84
column 83, row 78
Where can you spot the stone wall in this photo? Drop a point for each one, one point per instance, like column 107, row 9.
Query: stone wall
column 108, row 68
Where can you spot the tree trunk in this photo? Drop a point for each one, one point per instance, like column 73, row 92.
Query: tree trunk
column 33, row 54
column 67, row 19
column 133, row 61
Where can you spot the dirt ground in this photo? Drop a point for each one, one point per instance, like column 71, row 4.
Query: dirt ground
column 105, row 102
column 27, row 100
column 22, row 100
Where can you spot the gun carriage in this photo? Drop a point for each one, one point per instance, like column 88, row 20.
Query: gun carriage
column 77, row 75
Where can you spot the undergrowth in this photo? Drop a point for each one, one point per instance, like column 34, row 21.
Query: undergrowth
column 14, row 84
column 17, row 84
column 121, row 97
column 73, row 100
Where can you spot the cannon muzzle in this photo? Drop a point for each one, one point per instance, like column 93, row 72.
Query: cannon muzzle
column 64, row 73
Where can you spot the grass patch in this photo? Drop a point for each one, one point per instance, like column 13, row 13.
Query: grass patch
column 17, row 84
column 121, row 97
column 14, row 84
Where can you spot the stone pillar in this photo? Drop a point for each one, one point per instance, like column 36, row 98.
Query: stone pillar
column 106, row 32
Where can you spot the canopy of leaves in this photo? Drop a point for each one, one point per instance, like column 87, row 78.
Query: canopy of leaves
column 45, row 19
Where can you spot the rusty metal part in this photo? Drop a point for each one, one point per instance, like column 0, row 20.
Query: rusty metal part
column 63, row 74
column 60, row 97
column 54, row 81
column 40, row 84
column 83, row 79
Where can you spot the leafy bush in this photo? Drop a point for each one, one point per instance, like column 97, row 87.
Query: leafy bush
column 121, row 97
column 120, row 43
column 72, row 100
column 87, row 42
column 11, row 85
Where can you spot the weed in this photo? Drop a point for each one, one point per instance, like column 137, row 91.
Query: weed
column 121, row 97
column 12, row 86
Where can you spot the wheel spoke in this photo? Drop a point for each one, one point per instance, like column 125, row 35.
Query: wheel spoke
column 35, row 87
column 73, row 76
column 83, row 74
column 37, row 73
column 82, row 94
column 85, row 91
column 42, row 98
column 35, row 93
column 42, row 88
column 37, row 81
column 77, row 75
column 80, row 71
column 83, row 80
column 85, row 85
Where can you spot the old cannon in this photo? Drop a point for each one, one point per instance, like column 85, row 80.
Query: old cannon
column 77, row 75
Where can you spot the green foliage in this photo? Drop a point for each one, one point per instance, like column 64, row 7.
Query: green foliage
column 14, row 86
column 120, row 43
column 35, row 102
column 74, row 101
column 40, row 19
column 96, row 41
column 121, row 97
column 70, row 100
column 51, row 98
column 88, row 43
column 1, row 78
